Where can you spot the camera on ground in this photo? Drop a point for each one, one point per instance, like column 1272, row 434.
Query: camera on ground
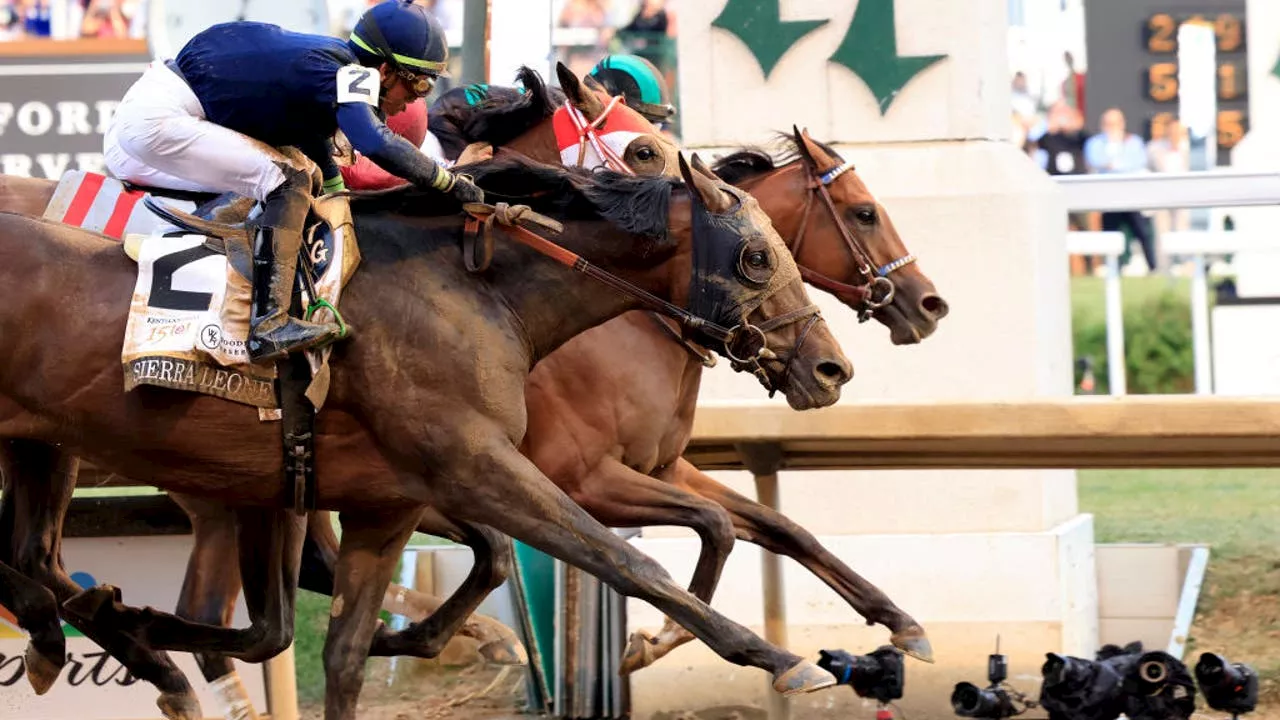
column 879, row 674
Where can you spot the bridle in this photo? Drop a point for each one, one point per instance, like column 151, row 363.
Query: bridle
column 862, row 296
column 745, row 345
column 589, row 133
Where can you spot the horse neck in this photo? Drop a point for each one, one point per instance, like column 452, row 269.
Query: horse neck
column 547, row 302
column 554, row 303
column 539, row 143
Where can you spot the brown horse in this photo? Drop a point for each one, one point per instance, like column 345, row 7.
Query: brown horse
column 786, row 190
column 429, row 400
column 622, row 370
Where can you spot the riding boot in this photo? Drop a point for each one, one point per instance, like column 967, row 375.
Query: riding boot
column 273, row 334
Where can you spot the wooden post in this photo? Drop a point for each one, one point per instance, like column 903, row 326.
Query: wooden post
column 282, row 686
column 764, row 460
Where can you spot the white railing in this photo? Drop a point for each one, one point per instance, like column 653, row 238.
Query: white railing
column 1216, row 189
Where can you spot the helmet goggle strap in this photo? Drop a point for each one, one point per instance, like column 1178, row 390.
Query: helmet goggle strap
column 421, row 74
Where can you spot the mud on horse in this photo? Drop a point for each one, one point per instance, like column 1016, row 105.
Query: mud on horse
column 450, row 345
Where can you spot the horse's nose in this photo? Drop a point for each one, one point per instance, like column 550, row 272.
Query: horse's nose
column 934, row 306
column 833, row 372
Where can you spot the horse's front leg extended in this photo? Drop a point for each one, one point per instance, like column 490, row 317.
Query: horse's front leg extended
column 776, row 533
column 497, row 486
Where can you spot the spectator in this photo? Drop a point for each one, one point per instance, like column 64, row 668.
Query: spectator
column 1116, row 150
column 105, row 19
column 583, row 14
column 1061, row 149
column 1023, row 104
column 1171, row 153
column 37, row 18
column 10, row 21
column 1073, row 85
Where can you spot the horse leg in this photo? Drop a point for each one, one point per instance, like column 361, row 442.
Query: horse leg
column 774, row 532
column 618, row 496
column 515, row 498
column 498, row 643
column 209, row 594
column 371, row 545
column 493, row 560
column 270, row 545
column 36, row 610
column 42, row 481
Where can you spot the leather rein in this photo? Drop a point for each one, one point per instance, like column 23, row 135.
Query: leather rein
column 512, row 219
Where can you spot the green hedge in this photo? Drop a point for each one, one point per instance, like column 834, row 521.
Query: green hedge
column 1157, row 333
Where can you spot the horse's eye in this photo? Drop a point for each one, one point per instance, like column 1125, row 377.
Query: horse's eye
column 758, row 259
column 645, row 154
column 866, row 217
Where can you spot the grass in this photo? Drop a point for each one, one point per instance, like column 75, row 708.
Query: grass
column 1237, row 513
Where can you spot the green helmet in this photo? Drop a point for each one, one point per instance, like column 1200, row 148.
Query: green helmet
column 640, row 82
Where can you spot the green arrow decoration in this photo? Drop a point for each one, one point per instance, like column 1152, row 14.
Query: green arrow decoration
column 1276, row 70
column 758, row 24
column 870, row 50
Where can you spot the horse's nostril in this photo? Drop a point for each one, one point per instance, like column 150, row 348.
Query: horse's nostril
column 935, row 306
column 831, row 372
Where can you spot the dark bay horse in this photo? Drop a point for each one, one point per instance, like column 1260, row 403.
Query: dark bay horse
column 426, row 406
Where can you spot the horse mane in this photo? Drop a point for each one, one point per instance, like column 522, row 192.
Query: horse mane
column 501, row 118
column 751, row 162
column 637, row 205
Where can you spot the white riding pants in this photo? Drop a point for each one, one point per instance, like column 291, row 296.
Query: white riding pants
column 160, row 137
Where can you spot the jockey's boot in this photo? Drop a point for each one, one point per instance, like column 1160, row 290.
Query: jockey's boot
column 273, row 334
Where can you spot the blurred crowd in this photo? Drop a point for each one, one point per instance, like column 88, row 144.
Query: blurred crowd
column 1059, row 138
column 71, row 19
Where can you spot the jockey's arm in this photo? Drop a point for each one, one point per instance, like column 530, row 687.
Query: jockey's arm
column 373, row 139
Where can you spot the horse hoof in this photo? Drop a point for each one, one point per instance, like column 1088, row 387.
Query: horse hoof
column 803, row 677
column 89, row 603
column 639, row 653
column 180, row 706
column 914, row 642
column 504, row 652
column 42, row 669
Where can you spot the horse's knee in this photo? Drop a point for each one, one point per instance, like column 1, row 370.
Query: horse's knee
column 715, row 527
column 270, row 642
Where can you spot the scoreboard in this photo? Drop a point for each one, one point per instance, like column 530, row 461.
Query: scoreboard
column 1133, row 62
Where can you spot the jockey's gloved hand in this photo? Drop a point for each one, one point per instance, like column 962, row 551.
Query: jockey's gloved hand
column 459, row 186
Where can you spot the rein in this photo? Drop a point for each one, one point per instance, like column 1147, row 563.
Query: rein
column 862, row 296
column 509, row 219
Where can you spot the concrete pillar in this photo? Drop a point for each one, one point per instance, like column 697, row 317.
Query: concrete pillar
column 916, row 93
column 1259, row 270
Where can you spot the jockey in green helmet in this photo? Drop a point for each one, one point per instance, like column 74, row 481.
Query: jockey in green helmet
column 640, row 83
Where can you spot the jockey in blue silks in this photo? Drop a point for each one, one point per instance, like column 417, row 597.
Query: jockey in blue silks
column 208, row 120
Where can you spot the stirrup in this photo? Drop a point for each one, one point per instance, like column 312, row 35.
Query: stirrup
column 322, row 303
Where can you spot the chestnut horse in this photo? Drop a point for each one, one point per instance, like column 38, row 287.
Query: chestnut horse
column 429, row 400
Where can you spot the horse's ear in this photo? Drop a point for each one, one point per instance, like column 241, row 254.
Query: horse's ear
column 701, row 167
column 802, row 145
column 707, row 186
column 581, row 97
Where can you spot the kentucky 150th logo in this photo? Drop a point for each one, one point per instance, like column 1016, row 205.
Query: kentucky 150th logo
column 869, row 48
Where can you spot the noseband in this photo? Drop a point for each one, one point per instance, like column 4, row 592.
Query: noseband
column 862, row 296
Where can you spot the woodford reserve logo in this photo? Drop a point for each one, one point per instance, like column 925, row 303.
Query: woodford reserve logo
column 53, row 116
column 869, row 48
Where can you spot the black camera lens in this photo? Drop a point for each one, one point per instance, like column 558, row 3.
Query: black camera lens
column 1059, row 669
column 1230, row 687
column 878, row 675
column 969, row 700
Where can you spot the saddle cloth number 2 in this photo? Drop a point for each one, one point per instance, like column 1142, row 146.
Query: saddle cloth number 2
column 357, row 83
